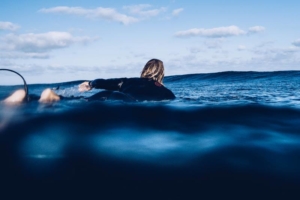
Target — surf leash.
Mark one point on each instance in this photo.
(25, 84)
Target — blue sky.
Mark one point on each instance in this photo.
(55, 41)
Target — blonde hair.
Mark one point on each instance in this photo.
(154, 69)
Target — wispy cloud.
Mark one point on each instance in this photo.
(276, 55)
(8, 26)
(176, 12)
(265, 44)
(24, 55)
(256, 29)
(270, 50)
(241, 48)
(215, 43)
(296, 43)
(144, 10)
(259, 61)
(218, 32)
(194, 50)
(109, 14)
(42, 42)
(214, 32)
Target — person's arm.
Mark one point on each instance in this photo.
(107, 84)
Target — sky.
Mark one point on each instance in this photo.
(56, 41)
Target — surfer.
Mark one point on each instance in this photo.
(149, 87)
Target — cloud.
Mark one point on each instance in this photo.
(274, 59)
(194, 50)
(296, 43)
(273, 51)
(256, 29)
(213, 33)
(209, 44)
(35, 70)
(265, 44)
(219, 32)
(109, 14)
(177, 11)
(24, 55)
(144, 11)
(276, 56)
(8, 26)
(215, 43)
(241, 48)
(42, 42)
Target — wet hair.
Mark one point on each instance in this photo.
(154, 69)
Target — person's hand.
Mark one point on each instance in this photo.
(83, 87)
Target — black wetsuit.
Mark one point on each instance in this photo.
(125, 89)
(131, 89)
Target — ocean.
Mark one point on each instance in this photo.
(226, 135)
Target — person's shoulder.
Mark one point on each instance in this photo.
(134, 79)
(137, 80)
(168, 94)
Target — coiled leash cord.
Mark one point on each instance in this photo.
(25, 84)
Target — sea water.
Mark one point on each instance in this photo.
(226, 134)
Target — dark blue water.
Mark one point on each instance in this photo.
(230, 134)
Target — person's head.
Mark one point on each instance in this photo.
(154, 69)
